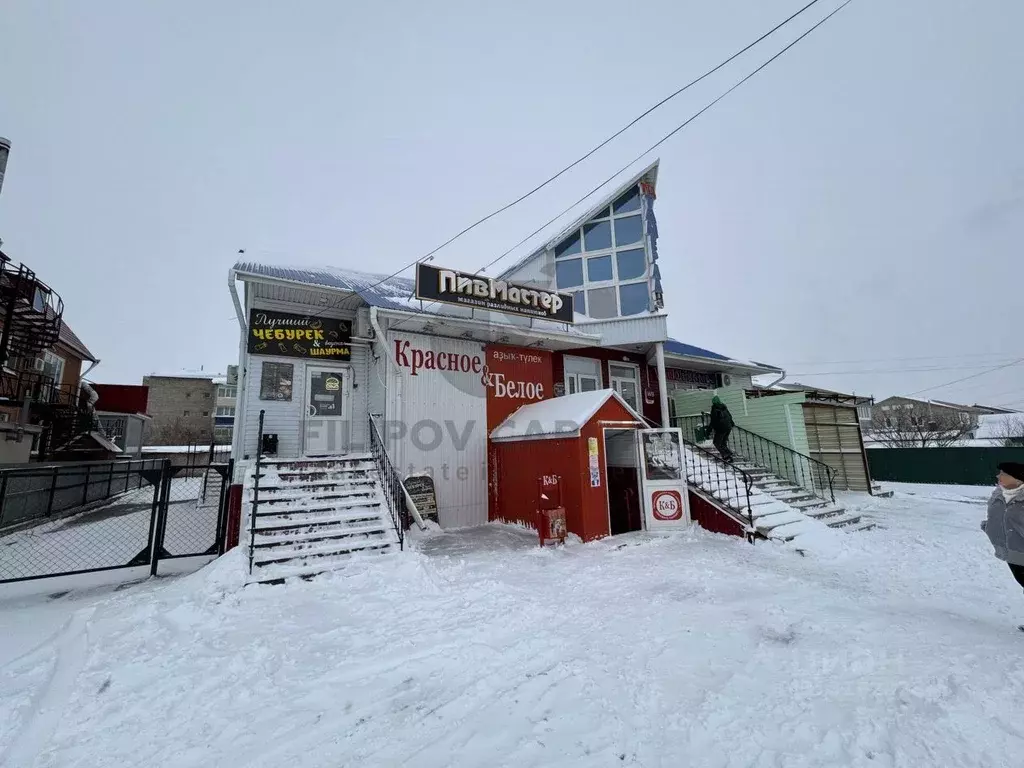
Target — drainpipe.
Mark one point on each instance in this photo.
(772, 384)
(233, 289)
(86, 372)
(379, 332)
(659, 351)
(241, 401)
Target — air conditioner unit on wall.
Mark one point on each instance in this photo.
(361, 327)
(726, 380)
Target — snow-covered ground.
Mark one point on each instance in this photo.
(896, 648)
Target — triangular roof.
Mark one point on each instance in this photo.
(651, 171)
(558, 416)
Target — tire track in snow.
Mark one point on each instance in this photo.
(71, 647)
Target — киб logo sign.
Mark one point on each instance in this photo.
(667, 505)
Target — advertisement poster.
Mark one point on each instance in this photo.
(595, 466)
(663, 459)
(287, 335)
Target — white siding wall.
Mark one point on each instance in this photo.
(443, 428)
(285, 419)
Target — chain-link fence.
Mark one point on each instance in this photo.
(69, 519)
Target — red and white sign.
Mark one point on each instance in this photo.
(667, 505)
(515, 376)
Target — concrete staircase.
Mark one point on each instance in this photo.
(314, 515)
(832, 514)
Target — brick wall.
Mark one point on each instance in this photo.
(182, 410)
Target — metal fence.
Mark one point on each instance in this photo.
(958, 466)
(82, 518)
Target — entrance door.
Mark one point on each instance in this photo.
(663, 478)
(625, 379)
(326, 430)
(582, 374)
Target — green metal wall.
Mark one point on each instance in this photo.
(779, 417)
(947, 466)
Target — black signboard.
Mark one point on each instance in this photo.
(287, 335)
(468, 290)
(421, 491)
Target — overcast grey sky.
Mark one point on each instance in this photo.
(862, 199)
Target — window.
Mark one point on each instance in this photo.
(569, 246)
(599, 269)
(225, 410)
(206, 395)
(569, 273)
(276, 381)
(629, 230)
(582, 374)
(206, 413)
(629, 201)
(188, 413)
(597, 236)
(632, 264)
(579, 302)
(52, 366)
(634, 298)
(614, 280)
(188, 395)
(226, 390)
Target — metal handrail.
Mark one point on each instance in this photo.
(255, 491)
(812, 474)
(727, 484)
(394, 491)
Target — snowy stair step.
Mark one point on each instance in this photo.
(275, 499)
(316, 505)
(280, 522)
(265, 557)
(313, 566)
(270, 541)
(864, 525)
(824, 513)
(844, 521)
(812, 503)
(792, 495)
(354, 482)
(790, 531)
(773, 522)
(318, 459)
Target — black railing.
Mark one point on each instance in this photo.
(255, 491)
(727, 484)
(391, 482)
(781, 460)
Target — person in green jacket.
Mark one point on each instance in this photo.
(720, 426)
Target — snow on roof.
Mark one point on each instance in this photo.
(184, 373)
(673, 347)
(557, 417)
(651, 170)
(381, 291)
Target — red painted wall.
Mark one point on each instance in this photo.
(516, 376)
(515, 467)
(648, 375)
(712, 518)
(122, 398)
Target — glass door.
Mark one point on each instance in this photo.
(625, 378)
(326, 423)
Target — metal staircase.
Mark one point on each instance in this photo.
(775, 473)
(308, 516)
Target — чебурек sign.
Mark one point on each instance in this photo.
(467, 290)
(280, 333)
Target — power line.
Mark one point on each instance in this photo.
(674, 131)
(662, 140)
(596, 148)
(896, 359)
(966, 378)
(888, 370)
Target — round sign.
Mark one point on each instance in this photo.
(667, 505)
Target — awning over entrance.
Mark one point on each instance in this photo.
(564, 417)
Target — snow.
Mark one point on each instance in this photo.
(557, 416)
(478, 648)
